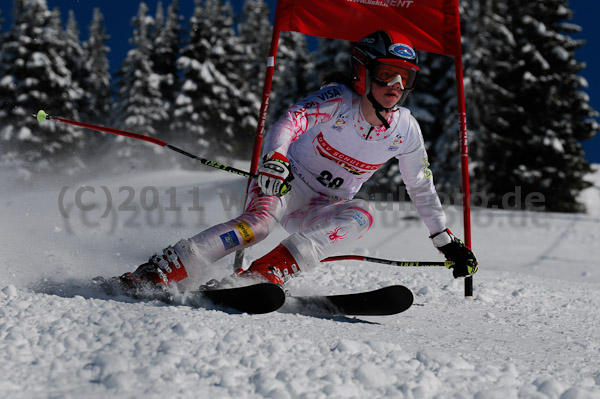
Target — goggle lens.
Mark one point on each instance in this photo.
(385, 73)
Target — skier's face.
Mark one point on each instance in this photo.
(387, 96)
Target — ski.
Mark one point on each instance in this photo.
(263, 297)
(253, 299)
(382, 302)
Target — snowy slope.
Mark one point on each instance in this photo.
(532, 330)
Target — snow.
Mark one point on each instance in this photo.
(531, 330)
(25, 133)
(38, 60)
(592, 195)
(7, 81)
(561, 53)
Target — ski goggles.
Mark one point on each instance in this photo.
(389, 72)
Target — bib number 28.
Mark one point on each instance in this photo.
(327, 180)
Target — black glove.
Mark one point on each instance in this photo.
(462, 260)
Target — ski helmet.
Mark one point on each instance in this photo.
(385, 58)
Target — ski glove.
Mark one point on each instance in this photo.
(462, 260)
(274, 177)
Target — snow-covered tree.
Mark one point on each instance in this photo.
(96, 83)
(558, 109)
(225, 85)
(167, 45)
(186, 124)
(139, 106)
(212, 105)
(332, 55)
(75, 58)
(531, 111)
(35, 75)
(255, 36)
(294, 76)
(526, 109)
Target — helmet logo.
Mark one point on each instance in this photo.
(402, 50)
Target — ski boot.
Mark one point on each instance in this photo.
(276, 267)
(155, 276)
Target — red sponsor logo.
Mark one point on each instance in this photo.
(352, 165)
(334, 236)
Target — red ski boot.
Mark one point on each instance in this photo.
(158, 273)
(276, 266)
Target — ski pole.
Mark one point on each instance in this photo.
(401, 263)
(43, 116)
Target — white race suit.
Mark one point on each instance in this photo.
(332, 151)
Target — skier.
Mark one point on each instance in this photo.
(329, 143)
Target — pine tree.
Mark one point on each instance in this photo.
(212, 104)
(532, 111)
(96, 83)
(332, 55)
(255, 36)
(434, 103)
(75, 59)
(186, 124)
(557, 109)
(167, 44)
(487, 47)
(526, 110)
(294, 76)
(34, 75)
(236, 118)
(139, 106)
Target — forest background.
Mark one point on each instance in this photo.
(196, 82)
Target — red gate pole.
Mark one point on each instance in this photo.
(464, 156)
(262, 121)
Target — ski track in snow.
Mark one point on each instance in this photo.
(532, 330)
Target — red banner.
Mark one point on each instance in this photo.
(432, 25)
